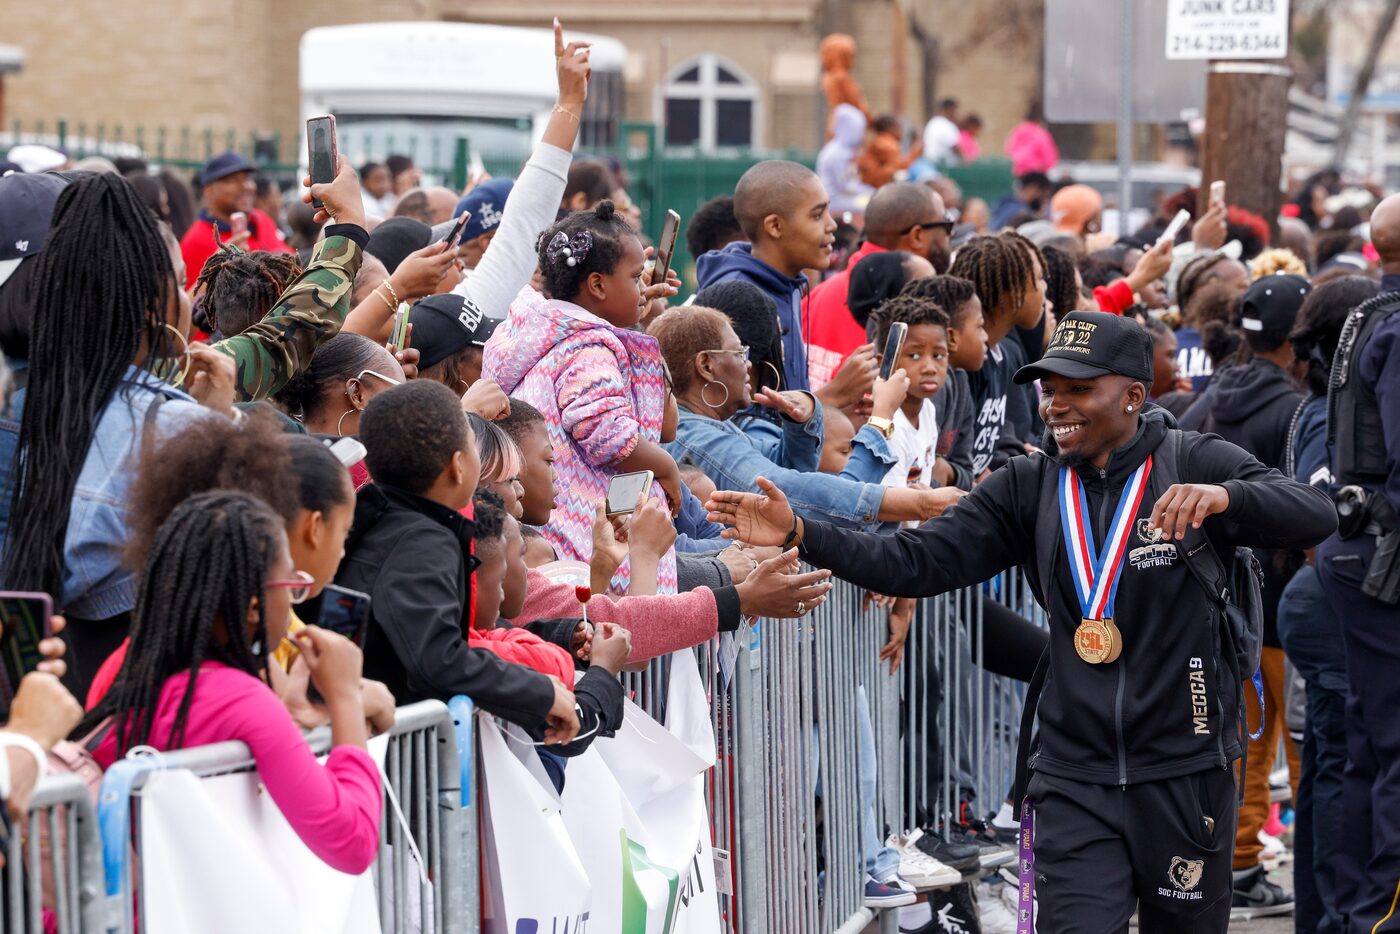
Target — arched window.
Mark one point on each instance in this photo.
(710, 103)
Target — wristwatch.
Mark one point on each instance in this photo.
(884, 426)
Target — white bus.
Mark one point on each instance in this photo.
(418, 87)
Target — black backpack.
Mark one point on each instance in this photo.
(1235, 588)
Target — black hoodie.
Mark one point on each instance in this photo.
(1251, 405)
(410, 555)
(1167, 707)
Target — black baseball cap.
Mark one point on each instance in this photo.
(26, 208)
(1090, 344)
(1271, 304)
(446, 324)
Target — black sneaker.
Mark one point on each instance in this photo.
(990, 853)
(1256, 897)
(961, 856)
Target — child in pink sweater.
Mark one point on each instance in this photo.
(190, 679)
(600, 384)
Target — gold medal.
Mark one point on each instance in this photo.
(1098, 641)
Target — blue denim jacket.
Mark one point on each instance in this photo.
(96, 581)
(732, 459)
(790, 444)
(871, 457)
(695, 533)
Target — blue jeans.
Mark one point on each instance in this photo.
(1311, 634)
(881, 862)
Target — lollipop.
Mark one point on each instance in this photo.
(584, 594)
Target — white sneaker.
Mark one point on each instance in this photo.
(995, 916)
(918, 868)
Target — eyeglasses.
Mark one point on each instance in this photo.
(298, 589)
(947, 226)
(743, 353)
(388, 379)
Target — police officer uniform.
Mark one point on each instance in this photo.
(1359, 569)
(1134, 800)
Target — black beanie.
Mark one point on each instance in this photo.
(875, 279)
(397, 237)
(754, 317)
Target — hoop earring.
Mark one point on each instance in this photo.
(777, 374)
(707, 401)
(339, 432)
(184, 354)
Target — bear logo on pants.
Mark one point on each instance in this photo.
(1185, 874)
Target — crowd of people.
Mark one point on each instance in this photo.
(207, 422)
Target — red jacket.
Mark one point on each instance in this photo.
(197, 245)
(832, 333)
(525, 648)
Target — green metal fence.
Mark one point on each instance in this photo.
(659, 177)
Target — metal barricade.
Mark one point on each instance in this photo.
(426, 784)
(53, 864)
(785, 794)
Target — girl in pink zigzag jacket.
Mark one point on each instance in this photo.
(600, 385)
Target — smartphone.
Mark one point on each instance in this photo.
(625, 488)
(238, 223)
(323, 155)
(894, 343)
(455, 236)
(666, 247)
(1175, 226)
(344, 611)
(349, 451)
(1217, 191)
(399, 336)
(27, 619)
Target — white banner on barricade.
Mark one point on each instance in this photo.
(207, 843)
(633, 810)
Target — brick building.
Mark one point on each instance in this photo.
(233, 66)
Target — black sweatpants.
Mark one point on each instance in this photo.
(1103, 850)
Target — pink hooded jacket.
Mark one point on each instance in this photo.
(600, 388)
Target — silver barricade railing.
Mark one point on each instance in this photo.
(424, 769)
(54, 861)
(786, 727)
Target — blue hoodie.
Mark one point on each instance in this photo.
(736, 261)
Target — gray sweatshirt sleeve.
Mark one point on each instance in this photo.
(510, 260)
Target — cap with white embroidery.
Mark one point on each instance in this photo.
(1271, 304)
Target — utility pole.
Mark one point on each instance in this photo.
(1246, 121)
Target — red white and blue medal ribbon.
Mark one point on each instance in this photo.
(1097, 572)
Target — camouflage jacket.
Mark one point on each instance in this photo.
(307, 315)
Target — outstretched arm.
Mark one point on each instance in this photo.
(983, 534)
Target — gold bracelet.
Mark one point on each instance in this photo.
(392, 307)
(388, 285)
(564, 110)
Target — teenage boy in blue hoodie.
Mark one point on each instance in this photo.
(784, 211)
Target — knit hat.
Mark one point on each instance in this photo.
(875, 279)
(397, 237)
(1074, 206)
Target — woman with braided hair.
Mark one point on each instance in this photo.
(105, 331)
(217, 590)
(1010, 282)
(236, 290)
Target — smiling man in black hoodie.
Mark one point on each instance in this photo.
(1133, 795)
(1254, 404)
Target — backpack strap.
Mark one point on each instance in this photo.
(1210, 572)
